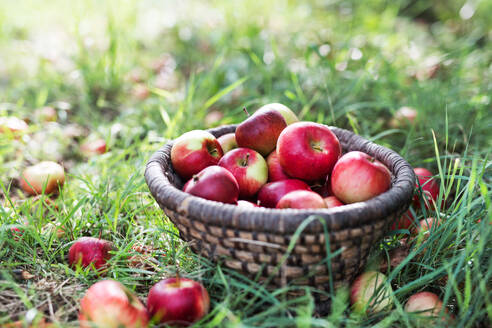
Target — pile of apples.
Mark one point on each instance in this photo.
(273, 160)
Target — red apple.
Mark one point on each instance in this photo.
(108, 303)
(425, 303)
(214, 183)
(260, 131)
(46, 114)
(403, 117)
(275, 171)
(270, 194)
(370, 293)
(93, 147)
(308, 150)
(248, 167)
(332, 201)
(245, 203)
(427, 225)
(358, 177)
(283, 110)
(179, 301)
(430, 187)
(47, 175)
(301, 199)
(88, 251)
(404, 222)
(227, 142)
(13, 124)
(194, 151)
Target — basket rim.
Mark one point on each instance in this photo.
(259, 219)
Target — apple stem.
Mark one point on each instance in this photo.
(246, 111)
(371, 159)
(247, 159)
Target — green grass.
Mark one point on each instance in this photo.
(223, 56)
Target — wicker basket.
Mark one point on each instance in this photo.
(255, 240)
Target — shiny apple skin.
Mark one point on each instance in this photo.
(35, 177)
(179, 301)
(194, 151)
(308, 151)
(358, 177)
(426, 303)
(248, 167)
(260, 131)
(364, 287)
(275, 171)
(285, 111)
(108, 303)
(332, 201)
(246, 203)
(301, 199)
(227, 142)
(214, 183)
(270, 194)
(94, 147)
(430, 187)
(89, 250)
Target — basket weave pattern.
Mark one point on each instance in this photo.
(255, 240)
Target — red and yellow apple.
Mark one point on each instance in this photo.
(285, 111)
(93, 147)
(12, 124)
(308, 151)
(87, 251)
(332, 201)
(370, 293)
(358, 177)
(214, 183)
(227, 142)
(425, 303)
(270, 194)
(301, 199)
(47, 176)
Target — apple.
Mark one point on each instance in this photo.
(404, 222)
(108, 303)
(248, 167)
(93, 147)
(270, 194)
(403, 117)
(425, 303)
(308, 150)
(46, 114)
(358, 177)
(227, 142)
(426, 226)
(323, 188)
(301, 199)
(194, 151)
(260, 131)
(140, 91)
(13, 125)
(245, 203)
(285, 111)
(47, 175)
(275, 171)
(88, 251)
(430, 188)
(370, 293)
(214, 183)
(179, 301)
(332, 201)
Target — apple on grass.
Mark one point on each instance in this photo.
(403, 117)
(47, 176)
(109, 304)
(430, 188)
(13, 125)
(87, 251)
(194, 151)
(358, 177)
(301, 199)
(371, 293)
(404, 222)
(283, 110)
(227, 142)
(270, 194)
(425, 304)
(214, 183)
(260, 131)
(93, 147)
(332, 201)
(275, 171)
(248, 167)
(178, 301)
(308, 151)
(46, 114)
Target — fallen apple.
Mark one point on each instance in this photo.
(270, 194)
(358, 177)
(227, 142)
(430, 188)
(178, 301)
(87, 251)
(301, 199)
(14, 125)
(214, 183)
(403, 117)
(47, 176)
(194, 151)
(93, 147)
(404, 222)
(108, 303)
(371, 293)
(425, 304)
(46, 114)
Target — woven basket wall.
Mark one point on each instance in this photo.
(254, 240)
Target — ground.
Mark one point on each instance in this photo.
(138, 73)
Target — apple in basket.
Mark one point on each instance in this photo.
(87, 251)
(194, 151)
(332, 201)
(270, 194)
(260, 131)
(47, 176)
(358, 177)
(275, 171)
(301, 199)
(283, 110)
(227, 142)
(178, 301)
(108, 303)
(214, 183)
(308, 151)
